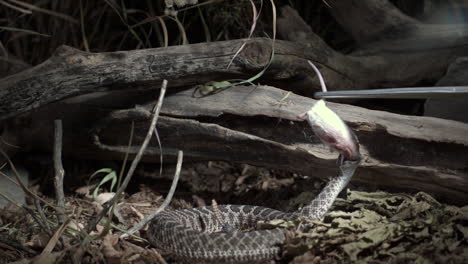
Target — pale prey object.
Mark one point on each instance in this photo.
(214, 234)
(331, 130)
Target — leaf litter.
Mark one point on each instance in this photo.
(366, 227)
(379, 227)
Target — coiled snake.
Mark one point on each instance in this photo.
(201, 234)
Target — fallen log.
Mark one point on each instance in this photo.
(252, 125)
(414, 52)
(456, 107)
(392, 49)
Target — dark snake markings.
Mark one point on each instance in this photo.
(197, 234)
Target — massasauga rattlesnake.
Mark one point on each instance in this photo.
(197, 234)
(212, 235)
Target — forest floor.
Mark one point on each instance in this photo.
(364, 226)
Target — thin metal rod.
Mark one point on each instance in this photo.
(398, 93)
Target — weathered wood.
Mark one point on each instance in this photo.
(9, 65)
(71, 72)
(394, 50)
(370, 20)
(454, 108)
(246, 124)
(418, 54)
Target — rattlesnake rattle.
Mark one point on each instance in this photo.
(197, 234)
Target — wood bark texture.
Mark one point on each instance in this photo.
(402, 56)
(252, 125)
(95, 96)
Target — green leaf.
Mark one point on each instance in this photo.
(111, 176)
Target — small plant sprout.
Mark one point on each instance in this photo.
(110, 176)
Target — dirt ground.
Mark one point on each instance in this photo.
(362, 227)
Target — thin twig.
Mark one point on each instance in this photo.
(252, 29)
(161, 157)
(166, 202)
(12, 243)
(44, 223)
(20, 181)
(27, 209)
(59, 171)
(159, 258)
(19, 9)
(82, 26)
(10, 200)
(143, 147)
(55, 239)
(134, 164)
(77, 256)
(151, 19)
(8, 144)
(45, 11)
(127, 153)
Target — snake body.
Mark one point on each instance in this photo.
(212, 235)
(202, 233)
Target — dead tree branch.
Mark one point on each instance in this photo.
(247, 125)
(59, 171)
(403, 61)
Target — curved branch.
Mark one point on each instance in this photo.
(369, 20)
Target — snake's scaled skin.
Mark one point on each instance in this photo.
(197, 234)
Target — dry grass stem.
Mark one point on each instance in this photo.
(142, 223)
(91, 226)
